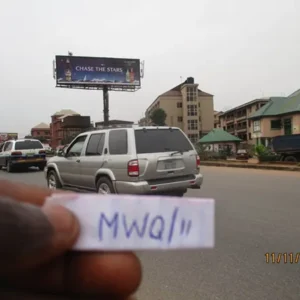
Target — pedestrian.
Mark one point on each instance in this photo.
(35, 258)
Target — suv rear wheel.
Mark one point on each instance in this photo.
(53, 180)
(9, 167)
(105, 186)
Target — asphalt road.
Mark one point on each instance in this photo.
(257, 212)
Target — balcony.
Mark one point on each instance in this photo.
(241, 117)
(229, 121)
(230, 129)
(241, 129)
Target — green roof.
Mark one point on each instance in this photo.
(279, 106)
(218, 135)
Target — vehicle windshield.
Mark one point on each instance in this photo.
(161, 140)
(26, 145)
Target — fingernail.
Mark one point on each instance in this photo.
(63, 222)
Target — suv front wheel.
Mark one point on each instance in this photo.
(105, 186)
(53, 181)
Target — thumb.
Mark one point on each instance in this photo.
(30, 235)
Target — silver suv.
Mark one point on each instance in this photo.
(142, 160)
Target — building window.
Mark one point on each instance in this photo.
(275, 124)
(179, 119)
(198, 104)
(256, 126)
(38, 133)
(249, 136)
(179, 104)
(192, 124)
(191, 94)
(192, 110)
(193, 137)
(249, 124)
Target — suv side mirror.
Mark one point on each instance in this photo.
(62, 152)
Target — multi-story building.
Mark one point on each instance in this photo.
(65, 125)
(41, 131)
(188, 108)
(280, 116)
(217, 119)
(236, 120)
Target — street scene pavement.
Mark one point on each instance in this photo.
(257, 212)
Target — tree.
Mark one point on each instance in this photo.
(158, 117)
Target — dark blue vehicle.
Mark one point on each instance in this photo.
(287, 146)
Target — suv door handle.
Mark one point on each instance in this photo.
(78, 160)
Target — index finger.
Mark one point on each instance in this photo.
(25, 193)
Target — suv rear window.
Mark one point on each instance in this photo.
(161, 140)
(26, 145)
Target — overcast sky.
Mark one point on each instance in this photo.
(236, 50)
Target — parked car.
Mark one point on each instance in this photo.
(23, 153)
(242, 154)
(142, 160)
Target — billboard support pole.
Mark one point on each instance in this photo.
(105, 106)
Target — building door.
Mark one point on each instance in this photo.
(287, 126)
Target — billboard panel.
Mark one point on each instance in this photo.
(76, 122)
(97, 71)
(6, 136)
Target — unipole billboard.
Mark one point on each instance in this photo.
(97, 71)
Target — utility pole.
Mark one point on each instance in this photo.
(105, 106)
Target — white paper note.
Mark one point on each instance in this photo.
(131, 222)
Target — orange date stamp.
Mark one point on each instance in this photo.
(282, 257)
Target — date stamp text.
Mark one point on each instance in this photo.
(282, 257)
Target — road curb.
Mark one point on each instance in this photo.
(250, 166)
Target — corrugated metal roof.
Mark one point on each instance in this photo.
(279, 106)
(64, 112)
(249, 103)
(218, 135)
(42, 126)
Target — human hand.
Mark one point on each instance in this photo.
(34, 244)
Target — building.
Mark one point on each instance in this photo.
(217, 119)
(188, 108)
(66, 125)
(114, 124)
(236, 120)
(280, 116)
(41, 131)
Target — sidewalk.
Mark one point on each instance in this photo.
(251, 165)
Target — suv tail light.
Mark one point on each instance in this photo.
(16, 153)
(42, 152)
(133, 168)
(198, 161)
